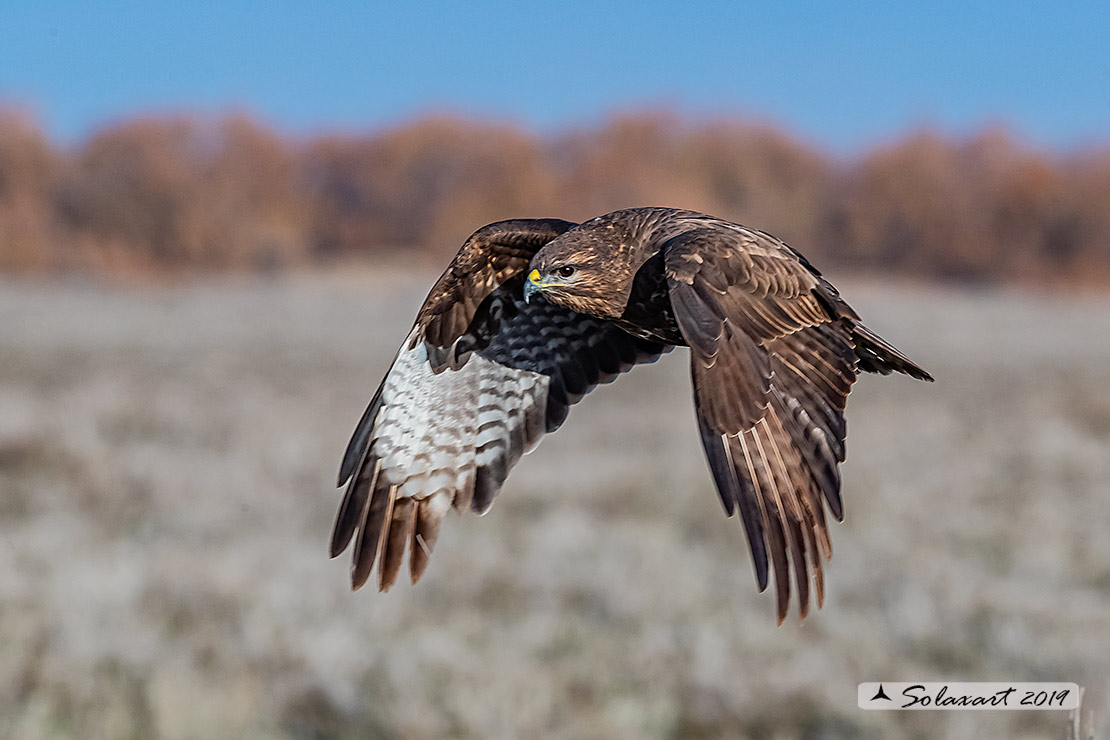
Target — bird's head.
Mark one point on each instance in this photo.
(580, 273)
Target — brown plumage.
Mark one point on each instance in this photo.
(495, 360)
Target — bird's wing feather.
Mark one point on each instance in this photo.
(445, 434)
(493, 256)
(771, 371)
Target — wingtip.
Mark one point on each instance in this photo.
(761, 577)
(783, 606)
(916, 372)
(387, 577)
(350, 461)
(358, 579)
(360, 569)
(835, 503)
(334, 550)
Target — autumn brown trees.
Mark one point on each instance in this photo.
(196, 194)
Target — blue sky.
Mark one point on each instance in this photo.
(838, 74)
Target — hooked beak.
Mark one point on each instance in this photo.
(532, 285)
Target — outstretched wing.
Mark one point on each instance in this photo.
(772, 364)
(479, 380)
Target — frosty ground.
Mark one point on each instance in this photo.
(167, 458)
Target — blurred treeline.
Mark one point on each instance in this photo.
(194, 194)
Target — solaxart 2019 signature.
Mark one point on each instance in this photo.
(967, 695)
(1006, 698)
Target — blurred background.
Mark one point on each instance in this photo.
(217, 224)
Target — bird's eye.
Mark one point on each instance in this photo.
(565, 271)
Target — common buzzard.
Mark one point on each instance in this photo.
(532, 314)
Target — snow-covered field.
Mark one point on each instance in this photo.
(167, 458)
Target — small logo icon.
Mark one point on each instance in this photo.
(880, 694)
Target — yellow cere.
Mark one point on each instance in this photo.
(534, 277)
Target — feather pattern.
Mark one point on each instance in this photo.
(485, 373)
(773, 358)
(449, 422)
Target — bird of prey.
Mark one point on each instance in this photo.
(532, 314)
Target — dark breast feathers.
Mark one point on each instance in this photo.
(484, 374)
